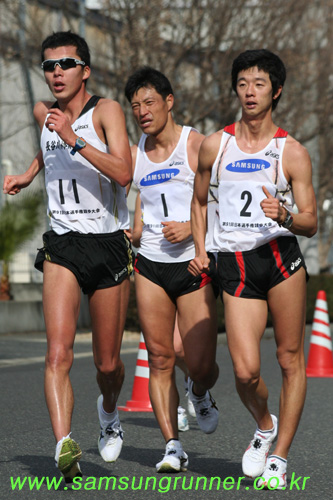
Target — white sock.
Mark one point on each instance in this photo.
(108, 418)
(176, 443)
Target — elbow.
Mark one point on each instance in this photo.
(312, 230)
(125, 179)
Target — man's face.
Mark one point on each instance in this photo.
(63, 83)
(254, 90)
(150, 110)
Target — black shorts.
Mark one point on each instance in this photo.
(175, 278)
(97, 260)
(252, 273)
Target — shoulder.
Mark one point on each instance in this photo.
(109, 120)
(109, 111)
(296, 159)
(209, 150)
(108, 104)
(294, 150)
(194, 142)
(211, 144)
(195, 139)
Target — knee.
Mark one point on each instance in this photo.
(113, 368)
(161, 361)
(205, 374)
(290, 361)
(59, 357)
(246, 375)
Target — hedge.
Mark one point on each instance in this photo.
(315, 284)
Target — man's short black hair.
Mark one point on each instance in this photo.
(264, 60)
(65, 39)
(148, 77)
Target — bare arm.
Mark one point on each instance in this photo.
(109, 122)
(137, 223)
(14, 183)
(298, 170)
(207, 155)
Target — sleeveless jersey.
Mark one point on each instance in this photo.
(212, 214)
(238, 177)
(166, 190)
(80, 197)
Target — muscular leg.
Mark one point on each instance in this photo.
(179, 349)
(61, 303)
(108, 309)
(157, 320)
(287, 302)
(245, 321)
(197, 320)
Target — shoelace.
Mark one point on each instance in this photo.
(257, 444)
(204, 411)
(172, 451)
(258, 448)
(112, 432)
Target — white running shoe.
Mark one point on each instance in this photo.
(110, 440)
(274, 476)
(205, 409)
(182, 419)
(255, 456)
(190, 407)
(175, 459)
(67, 456)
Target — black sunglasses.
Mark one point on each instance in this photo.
(64, 63)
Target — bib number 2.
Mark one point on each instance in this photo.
(246, 195)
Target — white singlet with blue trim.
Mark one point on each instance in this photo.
(240, 224)
(80, 197)
(166, 190)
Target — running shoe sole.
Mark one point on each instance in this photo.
(70, 454)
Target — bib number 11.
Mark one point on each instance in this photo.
(75, 192)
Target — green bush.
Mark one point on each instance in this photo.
(315, 284)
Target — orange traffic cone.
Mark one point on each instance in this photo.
(140, 395)
(320, 359)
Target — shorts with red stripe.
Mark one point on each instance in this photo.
(174, 277)
(253, 273)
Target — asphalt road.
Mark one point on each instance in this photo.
(27, 445)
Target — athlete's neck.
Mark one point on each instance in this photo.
(73, 106)
(252, 135)
(160, 146)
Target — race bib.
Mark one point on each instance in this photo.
(74, 195)
(239, 206)
(168, 201)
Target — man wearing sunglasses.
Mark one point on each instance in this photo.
(87, 159)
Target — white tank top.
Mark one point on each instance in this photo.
(212, 213)
(166, 190)
(80, 197)
(240, 224)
